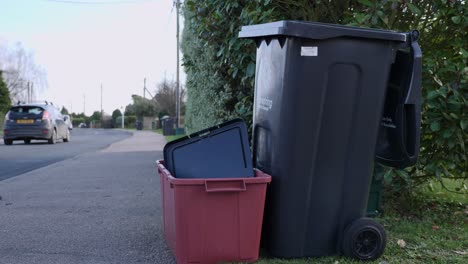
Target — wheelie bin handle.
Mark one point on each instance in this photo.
(402, 133)
(412, 107)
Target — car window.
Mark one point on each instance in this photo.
(27, 110)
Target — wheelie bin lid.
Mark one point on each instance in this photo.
(316, 30)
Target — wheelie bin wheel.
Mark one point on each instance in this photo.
(364, 239)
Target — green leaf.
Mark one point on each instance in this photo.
(360, 17)
(435, 126)
(388, 176)
(447, 134)
(431, 187)
(414, 9)
(251, 69)
(463, 124)
(447, 116)
(456, 19)
(403, 174)
(432, 95)
(366, 2)
(438, 173)
(464, 53)
(382, 17)
(234, 73)
(220, 52)
(462, 143)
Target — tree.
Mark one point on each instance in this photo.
(116, 113)
(130, 109)
(5, 101)
(96, 116)
(165, 98)
(64, 111)
(143, 107)
(20, 70)
(81, 115)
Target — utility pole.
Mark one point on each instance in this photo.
(28, 99)
(123, 116)
(32, 92)
(177, 72)
(101, 104)
(144, 88)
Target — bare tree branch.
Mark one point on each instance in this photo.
(19, 69)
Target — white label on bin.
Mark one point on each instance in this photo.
(265, 104)
(309, 51)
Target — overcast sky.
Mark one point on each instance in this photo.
(82, 45)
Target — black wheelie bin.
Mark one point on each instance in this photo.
(320, 94)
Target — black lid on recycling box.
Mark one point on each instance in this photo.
(316, 30)
(221, 151)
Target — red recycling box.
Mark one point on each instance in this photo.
(213, 220)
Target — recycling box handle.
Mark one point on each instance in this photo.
(412, 106)
(225, 185)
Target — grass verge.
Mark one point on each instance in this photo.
(457, 191)
(430, 231)
(169, 138)
(174, 137)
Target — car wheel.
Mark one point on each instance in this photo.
(27, 141)
(67, 138)
(53, 138)
(364, 239)
(7, 141)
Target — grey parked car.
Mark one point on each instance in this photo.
(35, 121)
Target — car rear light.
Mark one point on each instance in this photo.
(6, 131)
(7, 116)
(45, 115)
(45, 131)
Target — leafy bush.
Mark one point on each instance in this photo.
(444, 114)
(129, 122)
(118, 122)
(143, 107)
(116, 113)
(220, 67)
(76, 121)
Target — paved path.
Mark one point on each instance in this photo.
(100, 207)
(141, 141)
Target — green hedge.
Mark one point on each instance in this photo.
(129, 121)
(76, 121)
(2, 118)
(220, 67)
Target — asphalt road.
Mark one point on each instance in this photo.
(91, 204)
(21, 158)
